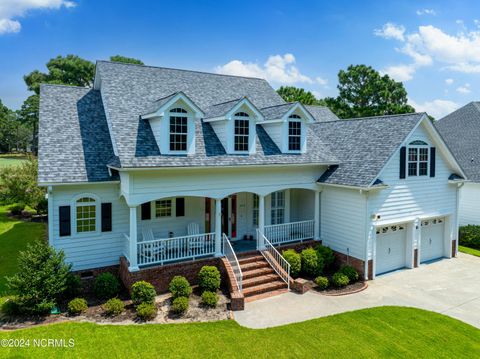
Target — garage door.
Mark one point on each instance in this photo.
(391, 248)
(432, 246)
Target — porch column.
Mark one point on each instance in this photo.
(316, 230)
(261, 221)
(133, 240)
(218, 227)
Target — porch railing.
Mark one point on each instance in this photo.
(232, 259)
(177, 248)
(275, 259)
(290, 232)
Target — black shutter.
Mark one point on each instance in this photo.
(65, 223)
(403, 162)
(106, 217)
(180, 207)
(432, 161)
(146, 211)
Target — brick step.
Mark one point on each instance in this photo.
(266, 295)
(250, 259)
(257, 272)
(254, 281)
(254, 265)
(264, 288)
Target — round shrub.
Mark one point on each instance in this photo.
(16, 209)
(106, 286)
(114, 307)
(77, 306)
(209, 299)
(340, 280)
(143, 292)
(180, 305)
(146, 311)
(74, 286)
(295, 261)
(209, 278)
(469, 236)
(179, 287)
(312, 264)
(350, 272)
(10, 307)
(327, 254)
(322, 282)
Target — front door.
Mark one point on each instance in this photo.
(229, 216)
(225, 216)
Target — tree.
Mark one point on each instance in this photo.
(13, 133)
(293, 94)
(28, 116)
(364, 92)
(126, 60)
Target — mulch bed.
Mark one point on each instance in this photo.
(333, 291)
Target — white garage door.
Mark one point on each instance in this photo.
(432, 246)
(391, 248)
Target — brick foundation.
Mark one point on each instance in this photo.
(454, 248)
(88, 276)
(415, 258)
(358, 264)
(237, 298)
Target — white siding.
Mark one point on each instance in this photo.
(302, 205)
(470, 204)
(275, 131)
(156, 126)
(220, 128)
(343, 224)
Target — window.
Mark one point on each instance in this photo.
(278, 207)
(255, 210)
(294, 135)
(86, 210)
(163, 208)
(418, 159)
(178, 130)
(241, 134)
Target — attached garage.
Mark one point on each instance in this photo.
(391, 248)
(432, 240)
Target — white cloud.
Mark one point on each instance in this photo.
(279, 69)
(10, 9)
(421, 12)
(400, 72)
(437, 108)
(449, 81)
(391, 31)
(465, 89)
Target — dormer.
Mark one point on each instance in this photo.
(172, 119)
(287, 125)
(234, 123)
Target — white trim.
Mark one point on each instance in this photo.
(354, 187)
(166, 106)
(49, 184)
(73, 215)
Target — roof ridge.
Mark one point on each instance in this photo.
(283, 104)
(183, 70)
(164, 97)
(222, 103)
(374, 117)
(70, 86)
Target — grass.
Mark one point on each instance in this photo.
(473, 252)
(14, 237)
(393, 332)
(11, 160)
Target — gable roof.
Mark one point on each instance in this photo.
(321, 113)
(461, 132)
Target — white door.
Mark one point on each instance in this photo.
(391, 248)
(432, 244)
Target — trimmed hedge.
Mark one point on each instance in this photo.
(327, 254)
(180, 305)
(209, 278)
(340, 280)
(143, 292)
(350, 272)
(469, 236)
(114, 307)
(322, 282)
(77, 306)
(146, 311)
(209, 299)
(180, 287)
(106, 286)
(312, 263)
(295, 261)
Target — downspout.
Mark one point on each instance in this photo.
(457, 219)
(367, 236)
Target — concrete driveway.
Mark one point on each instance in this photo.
(448, 286)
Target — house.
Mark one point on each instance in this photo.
(157, 170)
(461, 131)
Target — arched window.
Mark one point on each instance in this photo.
(241, 114)
(178, 129)
(86, 211)
(241, 131)
(418, 156)
(294, 133)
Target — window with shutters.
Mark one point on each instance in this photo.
(418, 159)
(163, 208)
(86, 215)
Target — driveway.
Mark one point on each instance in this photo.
(448, 286)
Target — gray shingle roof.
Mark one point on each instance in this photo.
(461, 132)
(74, 143)
(321, 113)
(155, 105)
(363, 146)
(220, 109)
(277, 111)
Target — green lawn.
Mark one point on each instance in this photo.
(14, 236)
(384, 332)
(11, 160)
(473, 252)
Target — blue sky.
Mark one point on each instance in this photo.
(434, 47)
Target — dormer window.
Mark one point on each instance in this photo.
(294, 132)
(241, 131)
(178, 129)
(418, 160)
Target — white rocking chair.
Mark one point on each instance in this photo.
(153, 250)
(196, 244)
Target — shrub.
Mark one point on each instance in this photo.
(10, 307)
(209, 299)
(180, 305)
(17, 208)
(469, 236)
(312, 264)
(106, 286)
(295, 261)
(179, 287)
(340, 280)
(209, 278)
(41, 279)
(77, 306)
(322, 282)
(114, 307)
(143, 292)
(350, 272)
(74, 286)
(146, 311)
(327, 254)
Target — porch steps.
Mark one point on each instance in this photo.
(259, 279)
